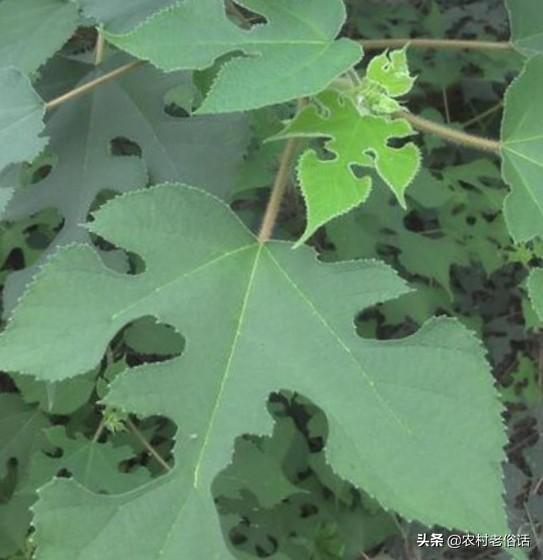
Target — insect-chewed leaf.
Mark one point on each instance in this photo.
(201, 150)
(522, 152)
(256, 318)
(21, 118)
(526, 25)
(332, 187)
(294, 54)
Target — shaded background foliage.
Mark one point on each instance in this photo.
(451, 245)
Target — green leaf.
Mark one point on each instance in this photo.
(120, 16)
(199, 150)
(257, 318)
(93, 464)
(391, 72)
(31, 31)
(257, 467)
(61, 397)
(21, 118)
(332, 187)
(387, 78)
(522, 152)
(526, 25)
(15, 518)
(148, 338)
(535, 291)
(294, 54)
(360, 234)
(21, 431)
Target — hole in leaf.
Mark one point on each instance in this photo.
(121, 146)
(398, 143)
(173, 110)
(420, 222)
(35, 172)
(147, 340)
(242, 16)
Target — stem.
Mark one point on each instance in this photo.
(377, 44)
(278, 190)
(446, 105)
(99, 430)
(450, 134)
(85, 88)
(483, 115)
(99, 48)
(147, 445)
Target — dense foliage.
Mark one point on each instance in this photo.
(271, 278)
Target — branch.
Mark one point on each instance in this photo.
(368, 44)
(377, 44)
(450, 134)
(85, 88)
(278, 190)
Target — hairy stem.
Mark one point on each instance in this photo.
(278, 190)
(93, 84)
(147, 445)
(450, 134)
(377, 44)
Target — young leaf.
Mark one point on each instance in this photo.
(332, 187)
(21, 118)
(387, 78)
(294, 54)
(522, 152)
(391, 72)
(200, 150)
(257, 318)
(120, 16)
(526, 25)
(31, 31)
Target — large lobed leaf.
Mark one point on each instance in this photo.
(294, 54)
(522, 152)
(256, 318)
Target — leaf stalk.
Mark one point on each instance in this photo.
(378, 44)
(93, 84)
(278, 191)
(450, 134)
